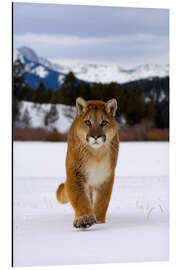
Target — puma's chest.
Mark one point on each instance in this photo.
(97, 172)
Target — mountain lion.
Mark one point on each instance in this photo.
(93, 144)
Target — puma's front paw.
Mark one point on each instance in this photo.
(84, 222)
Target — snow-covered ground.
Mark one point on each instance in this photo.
(137, 227)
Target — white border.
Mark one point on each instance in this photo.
(5, 139)
(120, 3)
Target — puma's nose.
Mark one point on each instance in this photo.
(95, 137)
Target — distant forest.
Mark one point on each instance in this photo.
(138, 101)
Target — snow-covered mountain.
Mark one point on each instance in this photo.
(106, 73)
(25, 53)
(52, 73)
(39, 69)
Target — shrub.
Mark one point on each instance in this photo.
(141, 132)
(135, 133)
(38, 134)
(158, 135)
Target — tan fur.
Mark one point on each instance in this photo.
(61, 194)
(90, 171)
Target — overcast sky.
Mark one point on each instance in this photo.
(97, 34)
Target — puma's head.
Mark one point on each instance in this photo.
(96, 125)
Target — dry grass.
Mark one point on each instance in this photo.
(158, 135)
(131, 133)
(143, 132)
(38, 134)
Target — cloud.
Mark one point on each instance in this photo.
(54, 40)
(136, 48)
(66, 40)
(92, 33)
(88, 20)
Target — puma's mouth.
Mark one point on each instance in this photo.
(95, 142)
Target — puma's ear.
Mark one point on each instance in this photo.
(81, 104)
(111, 106)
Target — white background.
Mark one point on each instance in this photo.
(5, 141)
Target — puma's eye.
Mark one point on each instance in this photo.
(104, 123)
(88, 123)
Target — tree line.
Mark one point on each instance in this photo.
(141, 100)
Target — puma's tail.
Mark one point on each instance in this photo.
(61, 194)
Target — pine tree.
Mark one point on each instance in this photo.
(26, 119)
(49, 94)
(70, 112)
(83, 90)
(18, 77)
(69, 89)
(54, 97)
(16, 109)
(39, 93)
(150, 109)
(51, 116)
(134, 107)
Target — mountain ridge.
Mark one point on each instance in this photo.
(39, 69)
(52, 73)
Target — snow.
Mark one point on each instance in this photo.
(112, 72)
(38, 111)
(40, 71)
(61, 78)
(137, 222)
(162, 96)
(28, 53)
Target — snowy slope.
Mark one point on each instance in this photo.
(137, 222)
(37, 113)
